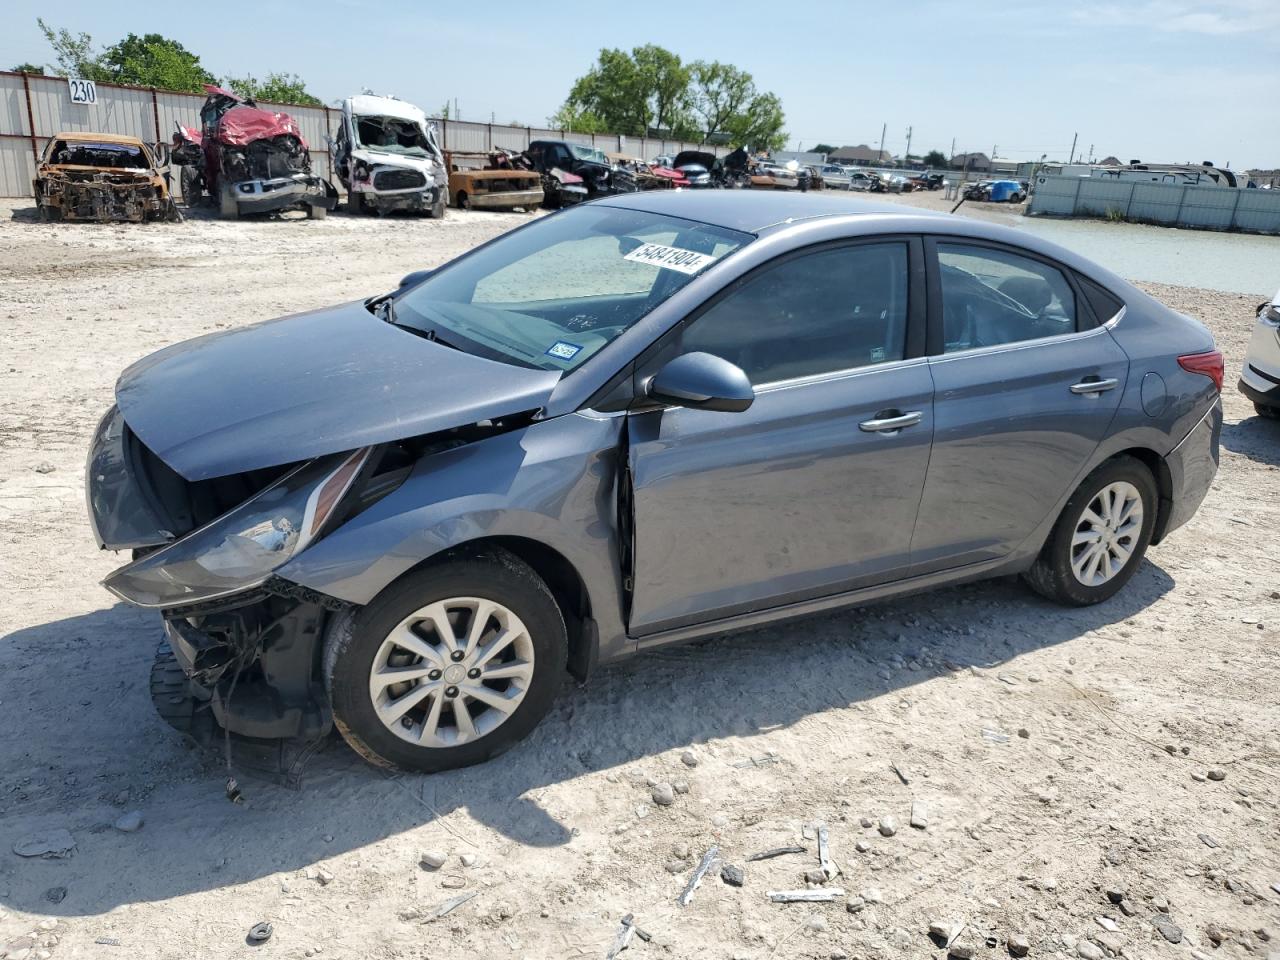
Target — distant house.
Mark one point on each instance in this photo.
(1109, 162)
(860, 156)
(971, 161)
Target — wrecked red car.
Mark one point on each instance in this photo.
(249, 160)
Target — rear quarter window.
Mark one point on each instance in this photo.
(1102, 302)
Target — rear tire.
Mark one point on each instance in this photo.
(355, 203)
(1264, 410)
(1056, 575)
(430, 734)
(464, 202)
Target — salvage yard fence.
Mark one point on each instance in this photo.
(35, 108)
(1166, 204)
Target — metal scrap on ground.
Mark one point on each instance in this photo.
(704, 865)
(829, 868)
(775, 852)
(823, 895)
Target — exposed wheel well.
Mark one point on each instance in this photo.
(566, 586)
(1164, 484)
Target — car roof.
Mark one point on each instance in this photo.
(752, 211)
(97, 137)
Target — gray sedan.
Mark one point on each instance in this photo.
(639, 421)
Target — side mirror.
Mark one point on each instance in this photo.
(415, 278)
(702, 381)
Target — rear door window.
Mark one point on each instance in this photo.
(992, 297)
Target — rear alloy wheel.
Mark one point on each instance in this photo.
(448, 666)
(1101, 536)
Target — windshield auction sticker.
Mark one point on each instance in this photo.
(670, 258)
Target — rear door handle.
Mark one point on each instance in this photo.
(893, 423)
(1091, 385)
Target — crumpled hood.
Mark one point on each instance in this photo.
(310, 384)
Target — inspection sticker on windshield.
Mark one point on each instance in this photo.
(563, 350)
(672, 258)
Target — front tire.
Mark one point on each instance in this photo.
(448, 666)
(1101, 537)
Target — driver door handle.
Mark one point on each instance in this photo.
(1091, 385)
(891, 421)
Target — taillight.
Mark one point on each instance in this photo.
(1206, 364)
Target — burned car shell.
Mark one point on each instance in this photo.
(103, 177)
(406, 170)
(248, 159)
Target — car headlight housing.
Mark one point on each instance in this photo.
(240, 549)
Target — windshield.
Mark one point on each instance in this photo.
(551, 295)
(86, 153)
(588, 153)
(392, 135)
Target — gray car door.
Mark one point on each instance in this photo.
(1026, 388)
(814, 489)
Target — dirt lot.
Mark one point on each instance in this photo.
(1131, 747)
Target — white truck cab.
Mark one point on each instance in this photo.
(386, 154)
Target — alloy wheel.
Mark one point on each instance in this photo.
(1107, 533)
(452, 672)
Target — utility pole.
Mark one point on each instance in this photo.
(1072, 158)
(953, 151)
(907, 156)
(883, 130)
(1091, 153)
(456, 114)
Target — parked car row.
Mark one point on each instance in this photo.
(997, 191)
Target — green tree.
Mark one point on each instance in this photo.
(155, 61)
(276, 88)
(74, 54)
(822, 148)
(630, 93)
(28, 68)
(935, 158)
(576, 121)
(725, 100)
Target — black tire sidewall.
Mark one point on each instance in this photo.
(1056, 559)
(498, 577)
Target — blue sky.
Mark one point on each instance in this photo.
(1174, 80)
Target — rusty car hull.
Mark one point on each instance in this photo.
(102, 178)
(495, 189)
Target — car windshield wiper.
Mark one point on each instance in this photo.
(386, 312)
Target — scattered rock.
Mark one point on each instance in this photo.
(689, 758)
(45, 467)
(324, 876)
(675, 866)
(432, 860)
(732, 875)
(1106, 923)
(1169, 930)
(453, 883)
(468, 859)
(1089, 951)
(130, 822)
(862, 846)
(54, 844)
(872, 895)
(855, 904)
(809, 832)
(1115, 894)
(961, 951)
(816, 924)
(1215, 934)
(888, 826)
(919, 814)
(940, 931)
(816, 877)
(680, 786)
(867, 822)
(1127, 908)
(664, 795)
(1019, 946)
(680, 850)
(1217, 775)
(1160, 903)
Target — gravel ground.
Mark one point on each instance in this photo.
(1057, 754)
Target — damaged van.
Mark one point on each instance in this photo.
(386, 154)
